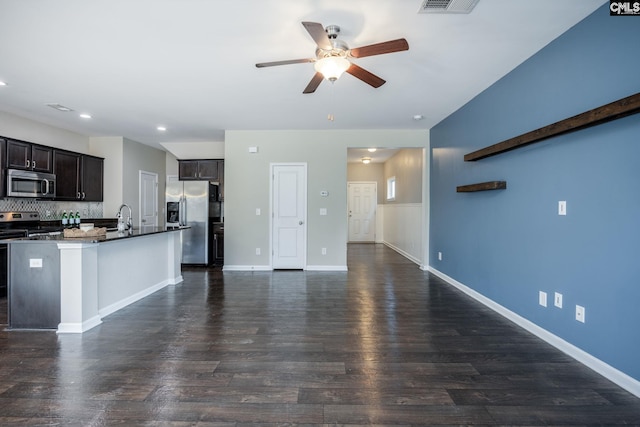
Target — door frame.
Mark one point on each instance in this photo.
(375, 212)
(155, 176)
(272, 167)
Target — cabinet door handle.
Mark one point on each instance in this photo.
(33, 164)
(83, 195)
(28, 163)
(78, 195)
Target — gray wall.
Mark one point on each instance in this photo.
(139, 157)
(359, 172)
(406, 166)
(40, 133)
(247, 187)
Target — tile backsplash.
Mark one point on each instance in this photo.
(52, 210)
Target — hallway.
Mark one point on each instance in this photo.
(384, 343)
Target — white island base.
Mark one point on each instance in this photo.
(99, 278)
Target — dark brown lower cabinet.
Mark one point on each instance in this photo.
(218, 244)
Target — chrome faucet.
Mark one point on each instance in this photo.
(129, 224)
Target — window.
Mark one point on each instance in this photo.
(391, 188)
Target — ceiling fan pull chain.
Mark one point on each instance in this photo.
(332, 102)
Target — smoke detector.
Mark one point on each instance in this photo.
(447, 6)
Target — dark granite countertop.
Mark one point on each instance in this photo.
(110, 236)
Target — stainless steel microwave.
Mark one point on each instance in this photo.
(30, 184)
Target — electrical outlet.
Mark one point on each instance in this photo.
(35, 262)
(542, 298)
(580, 313)
(439, 256)
(257, 251)
(324, 251)
(557, 300)
(258, 212)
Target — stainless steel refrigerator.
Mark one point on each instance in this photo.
(188, 204)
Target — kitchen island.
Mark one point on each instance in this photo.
(70, 284)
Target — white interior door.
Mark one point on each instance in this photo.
(362, 199)
(289, 222)
(148, 199)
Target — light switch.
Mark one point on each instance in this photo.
(257, 211)
(323, 211)
(35, 262)
(562, 207)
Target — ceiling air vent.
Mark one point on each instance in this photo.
(447, 6)
(60, 107)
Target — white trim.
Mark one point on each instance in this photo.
(227, 267)
(112, 308)
(403, 253)
(155, 177)
(78, 328)
(305, 174)
(176, 280)
(375, 212)
(426, 205)
(620, 378)
(326, 268)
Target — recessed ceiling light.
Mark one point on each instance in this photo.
(366, 160)
(161, 128)
(418, 117)
(2, 83)
(371, 150)
(85, 116)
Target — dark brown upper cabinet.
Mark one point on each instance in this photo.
(199, 170)
(78, 176)
(28, 156)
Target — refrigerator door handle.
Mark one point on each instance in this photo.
(184, 210)
(180, 211)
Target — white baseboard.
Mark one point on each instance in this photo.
(620, 378)
(176, 280)
(78, 328)
(246, 268)
(403, 253)
(112, 308)
(326, 268)
(268, 268)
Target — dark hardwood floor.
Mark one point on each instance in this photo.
(385, 344)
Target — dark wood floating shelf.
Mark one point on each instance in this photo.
(482, 186)
(615, 110)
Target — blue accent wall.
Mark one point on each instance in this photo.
(510, 244)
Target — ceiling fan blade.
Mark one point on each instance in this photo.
(318, 34)
(380, 48)
(314, 83)
(287, 62)
(365, 76)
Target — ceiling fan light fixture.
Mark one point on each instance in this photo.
(332, 67)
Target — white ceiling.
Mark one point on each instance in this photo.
(190, 64)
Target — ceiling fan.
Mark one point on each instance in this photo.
(332, 56)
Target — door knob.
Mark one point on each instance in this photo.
(300, 222)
